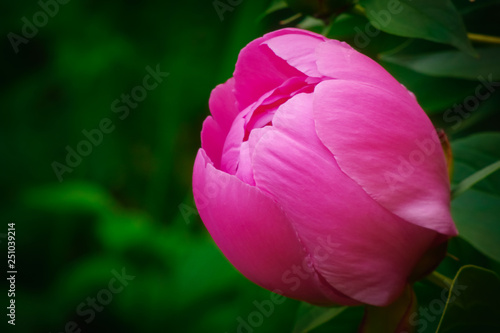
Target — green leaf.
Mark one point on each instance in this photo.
(476, 212)
(309, 316)
(474, 153)
(473, 179)
(434, 94)
(452, 63)
(274, 7)
(472, 304)
(476, 215)
(344, 25)
(312, 24)
(434, 20)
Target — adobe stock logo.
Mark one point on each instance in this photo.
(49, 8)
(380, 19)
(87, 310)
(225, 6)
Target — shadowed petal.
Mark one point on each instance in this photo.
(212, 140)
(222, 104)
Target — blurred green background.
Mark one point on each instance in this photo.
(128, 204)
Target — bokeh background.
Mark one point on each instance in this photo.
(128, 204)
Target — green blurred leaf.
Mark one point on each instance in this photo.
(435, 20)
(70, 197)
(472, 304)
(203, 258)
(452, 63)
(309, 316)
(477, 211)
(120, 229)
(311, 23)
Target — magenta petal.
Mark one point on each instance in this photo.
(354, 243)
(257, 114)
(255, 235)
(389, 148)
(232, 146)
(298, 51)
(245, 171)
(259, 69)
(212, 140)
(338, 60)
(222, 104)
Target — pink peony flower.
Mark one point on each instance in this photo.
(320, 177)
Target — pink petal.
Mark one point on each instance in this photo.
(245, 167)
(212, 140)
(255, 235)
(357, 246)
(386, 144)
(258, 70)
(257, 114)
(338, 60)
(232, 146)
(245, 171)
(222, 104)
(298, 50)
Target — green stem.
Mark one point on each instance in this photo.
(440, 280)
(483, 38)
(291, 19)
(357, 9)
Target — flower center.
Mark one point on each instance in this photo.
(239, 145)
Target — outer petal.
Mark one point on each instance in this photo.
(232, 146)
(259, 70)
(338, 60)
(244, 172)
(387, 144)
(212, 140)
(370, 251)
(215, 129)
(255, 235)
(222, 104)
(298, 50)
